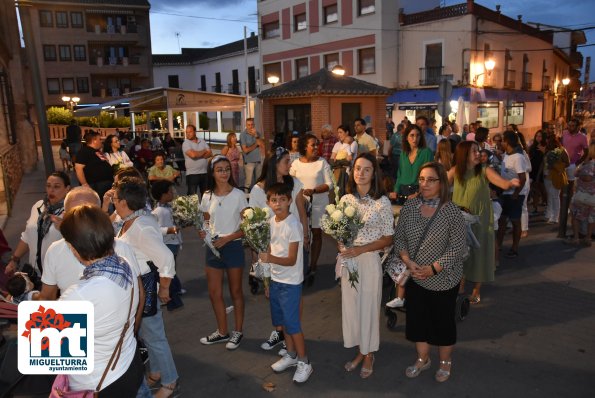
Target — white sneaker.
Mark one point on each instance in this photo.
(303, 372)
(284, 363)
(396, 303)
(282, 352)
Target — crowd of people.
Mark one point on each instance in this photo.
(124, 202)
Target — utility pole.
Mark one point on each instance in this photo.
(178, 34)
(44, 132)
(247, 83)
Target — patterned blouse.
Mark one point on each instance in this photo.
(377, 216)
(444, 242)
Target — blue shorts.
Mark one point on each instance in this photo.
(232, 256)
(512, 208)
(285, 306)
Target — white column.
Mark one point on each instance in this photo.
(132, 124)
(219, 122)
(185, 115)
(170, 121)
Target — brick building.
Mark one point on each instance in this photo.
(309, 102)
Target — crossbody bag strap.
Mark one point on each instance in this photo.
(425, 233)
(116, 354)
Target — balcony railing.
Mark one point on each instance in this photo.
(430, 76)
(527, 81)
(112, 29)
(510, 78)
(216, 89)
(233, 88)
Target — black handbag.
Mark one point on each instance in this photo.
(150, 280)
(405, 191)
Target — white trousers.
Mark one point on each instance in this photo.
(552, 212)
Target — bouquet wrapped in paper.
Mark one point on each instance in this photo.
(342, 222)
(186, 213)
(257, 233)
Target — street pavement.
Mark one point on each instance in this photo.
(532, 335)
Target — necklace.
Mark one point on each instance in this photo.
(220, 201)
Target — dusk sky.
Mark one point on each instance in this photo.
(210, 23)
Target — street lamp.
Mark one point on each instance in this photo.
(489, 65)
(338, 70)
(273, 79)
(71, 102)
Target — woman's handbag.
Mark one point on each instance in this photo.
(150, 280)
(61, 386)
(405, 191)
(396, 269)
(584, 198)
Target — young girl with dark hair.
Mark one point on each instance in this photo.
(222, 204)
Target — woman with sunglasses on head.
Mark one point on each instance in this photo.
(276, 170)
(42, 227)
(430, 239)
(315, 174)
(222, 204)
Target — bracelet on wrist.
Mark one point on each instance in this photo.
(15, 258)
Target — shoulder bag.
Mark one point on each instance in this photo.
(395, 266)
(61, 386)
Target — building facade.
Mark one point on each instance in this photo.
(504, 70)
(223, 69)
(300, 37)
(18, 153)
(93, 50)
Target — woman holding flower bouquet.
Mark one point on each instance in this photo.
(222, 204)
(115, 156)
(361, 301)
(430, 239)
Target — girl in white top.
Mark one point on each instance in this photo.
(222, 205)
(315, 174)
(111, 148)
(361, 306)
(346, 148)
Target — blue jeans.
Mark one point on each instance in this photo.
(144, 391)
(152, 332)
(175, 286)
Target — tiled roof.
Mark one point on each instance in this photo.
(192, 55)
(100, 2)
(324, 82)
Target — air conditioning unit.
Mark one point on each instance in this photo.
(125, 61)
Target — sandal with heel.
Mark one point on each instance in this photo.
(414, 370)
(352, 365)
(169, 390)
(364, 373)
(441, 374)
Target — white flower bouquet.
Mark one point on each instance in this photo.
(186, 213)
(257, 233)
(342, 222)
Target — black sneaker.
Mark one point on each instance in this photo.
(275, 339)
(214, 338)
(234, 340)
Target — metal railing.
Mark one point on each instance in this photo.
(430, 76)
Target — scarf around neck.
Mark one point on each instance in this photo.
(113, 267)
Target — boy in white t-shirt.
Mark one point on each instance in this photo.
(285, 292)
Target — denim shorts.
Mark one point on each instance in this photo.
(285, 306)
(232, 256)
(512, 208)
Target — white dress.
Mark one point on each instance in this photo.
(258, 198)
(311, 175)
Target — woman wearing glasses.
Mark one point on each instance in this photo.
(471, 191)
(116, 157)
(315, 174)
(430, 239)
(222, 204)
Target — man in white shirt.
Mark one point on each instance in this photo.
(196, 152)
(63, 269)
(514, 165)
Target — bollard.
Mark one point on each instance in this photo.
(564, 204)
